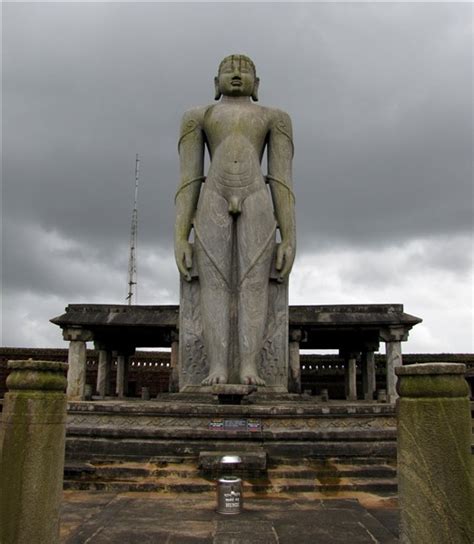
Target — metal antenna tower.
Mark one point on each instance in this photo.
(132, 260)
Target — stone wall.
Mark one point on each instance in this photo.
(147, 369)
(151, 369)
(327, 371)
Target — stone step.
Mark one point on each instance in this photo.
(253, 486)
(369, 471)
(108, 474)
(121, 448)
(161, 485)
(323, 485)
(352, 460)
(183, 475)
(130, 471)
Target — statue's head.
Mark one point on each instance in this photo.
(237, 77)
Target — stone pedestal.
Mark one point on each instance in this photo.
(76, 375)
(32, 455)
(232, 393)
(435, 469)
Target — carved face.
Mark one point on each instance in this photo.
(236, 77)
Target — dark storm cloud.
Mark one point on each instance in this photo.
(44, 262)
(392, 144)
(380, 96)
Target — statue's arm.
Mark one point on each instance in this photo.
(191, 156)
(280, 156)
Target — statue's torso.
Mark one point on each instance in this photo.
(227, 120)
(235, 136)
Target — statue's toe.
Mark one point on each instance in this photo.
(214, 379)
(252, 379)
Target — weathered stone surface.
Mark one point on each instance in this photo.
(32, 455)
(102, 518)
(175, 474)
(434, 455)
(368, 374)
(104, 373)
(229, 331)
(122, 373)
(76, 374)
(291, 429)
(194, 364)
(350, 376)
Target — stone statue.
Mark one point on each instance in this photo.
(235, 212)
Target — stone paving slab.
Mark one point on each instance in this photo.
(142, 518)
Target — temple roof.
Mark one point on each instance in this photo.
(322, 326)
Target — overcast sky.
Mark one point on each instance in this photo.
(380, 95)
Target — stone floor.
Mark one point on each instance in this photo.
(146, 518)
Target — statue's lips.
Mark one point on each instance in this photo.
(236, 83)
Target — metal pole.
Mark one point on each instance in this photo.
(132, 263)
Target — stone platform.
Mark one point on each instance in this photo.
(281, 426)
(287, 442)
(100, 518)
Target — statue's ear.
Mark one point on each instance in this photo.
(255, 90)
(218, 91)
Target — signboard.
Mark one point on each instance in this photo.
(250, 425)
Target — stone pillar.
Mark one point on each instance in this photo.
(435, 469)
(174, 361)
(76, 374)
(123, 357)
(120, 387)
(294, 367)
(393, 337)
(393, 354)
(368, 374)
(350, 375)
(32, 454)
(103, 372)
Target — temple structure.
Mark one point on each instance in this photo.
(354, 330)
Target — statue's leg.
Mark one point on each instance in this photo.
(256, 242)
(213, 251)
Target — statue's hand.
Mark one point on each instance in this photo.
(285, 256)
(183, 252)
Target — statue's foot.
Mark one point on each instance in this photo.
(215, 378)
(251, 378)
